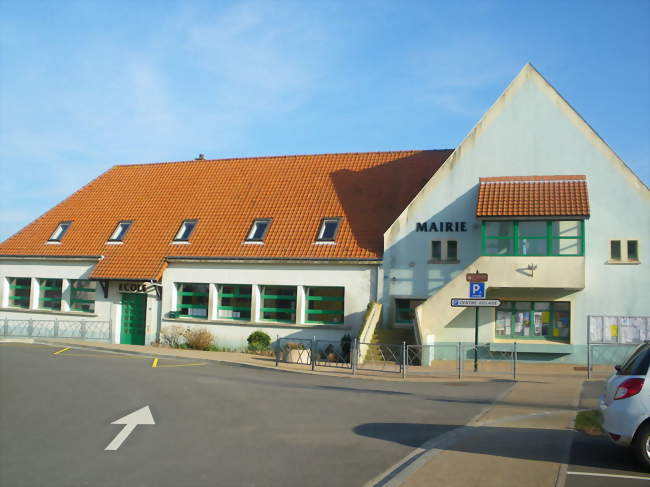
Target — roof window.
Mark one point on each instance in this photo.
(328, 230)
(60, 231)
(258, 230)
(184, 232)
(120, 231)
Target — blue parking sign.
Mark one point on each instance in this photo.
(477, 290)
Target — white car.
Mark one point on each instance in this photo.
(625, 405)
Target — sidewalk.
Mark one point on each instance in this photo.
(247, 359)
(524, 439)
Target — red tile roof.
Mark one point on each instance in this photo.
(533, 196)
(367, 190)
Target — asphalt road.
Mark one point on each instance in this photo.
(596, 461)
(215, 424)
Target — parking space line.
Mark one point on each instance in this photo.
(155, 363)
(596, 474)
(61, 351)
(106, 355)
(181, 365)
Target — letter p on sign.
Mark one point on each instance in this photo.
(477, 290)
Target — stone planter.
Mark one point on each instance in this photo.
(297, 356)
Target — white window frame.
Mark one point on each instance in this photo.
(444, 252)
(323, 225)
(120, 231)
(60, 231)
(253, 230)
(182, 230)
(625, 259)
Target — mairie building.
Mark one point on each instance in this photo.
(298, 246)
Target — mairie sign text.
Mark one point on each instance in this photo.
(441, 227)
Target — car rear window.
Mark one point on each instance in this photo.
(638, 363)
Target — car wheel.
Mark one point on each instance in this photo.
(641, 446)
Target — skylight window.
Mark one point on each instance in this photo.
(120, 231)
(328, 229)
(59, 232)
(258, 230)
(183, 234)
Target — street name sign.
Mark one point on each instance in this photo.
(474, 303)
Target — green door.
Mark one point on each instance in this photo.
(134, 310)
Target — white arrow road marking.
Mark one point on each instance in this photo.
(141, 416)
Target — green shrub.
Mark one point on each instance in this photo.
(198, 338)
(346, 344)
(259, 341)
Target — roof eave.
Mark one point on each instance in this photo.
(274, 260)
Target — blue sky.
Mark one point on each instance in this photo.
(86, 85)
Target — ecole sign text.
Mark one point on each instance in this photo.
(441, 227)
(132, 287)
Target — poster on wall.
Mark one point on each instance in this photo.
(538, 323)
(519, 323)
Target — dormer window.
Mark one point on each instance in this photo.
(258, 230)
(58, 234)
(328, 230)
(184, 232)
(120, 231)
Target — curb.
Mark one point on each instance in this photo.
(431, 380)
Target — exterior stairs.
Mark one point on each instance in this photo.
(391, 339)
(394, 336)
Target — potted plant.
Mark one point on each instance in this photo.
(296, 353)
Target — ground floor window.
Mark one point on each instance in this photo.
(193, 300)
(325, 305)
(533, 319)
(405, 310)
(234, 302)
(82, 296)
(20, 289)
(50, 294)
(279, 303)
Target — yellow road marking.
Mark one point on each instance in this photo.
(106, 355)
(61, 351)
(155, 363)
(181, 365)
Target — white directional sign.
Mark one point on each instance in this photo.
(473, 303)
(130, 421)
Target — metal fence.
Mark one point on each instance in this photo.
(380, 357)
(294, 350)
(611, 339)
(332, 353)
(458, 360)
(602, 358)
(81, 329)
(437, 360)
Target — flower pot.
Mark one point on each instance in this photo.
(297, 356)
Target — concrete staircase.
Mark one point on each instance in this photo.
(394, 336)
(388, 336)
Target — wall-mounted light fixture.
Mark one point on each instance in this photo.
(532, 268)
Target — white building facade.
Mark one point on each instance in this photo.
(551, 270)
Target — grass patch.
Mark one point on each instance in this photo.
(589, 422)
